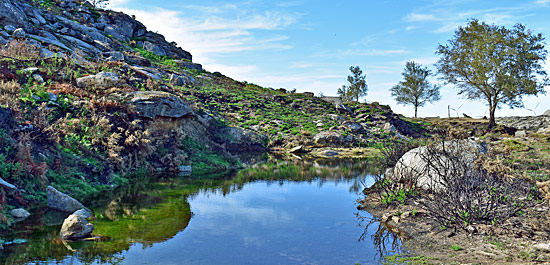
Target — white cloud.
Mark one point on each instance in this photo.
(415, 17)
(217, 34)
(543, 2)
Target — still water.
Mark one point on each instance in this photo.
(309, 220)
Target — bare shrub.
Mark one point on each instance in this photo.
(20, 49)
(387, 184)
(9, 93)
(464, 192)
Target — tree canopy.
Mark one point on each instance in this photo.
(415, 89)
(494, 64)
(357, 85)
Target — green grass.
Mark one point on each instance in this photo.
(398, 259)
(456, 248)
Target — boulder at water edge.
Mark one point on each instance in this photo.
(75, 227)
(413, 165)
(61, 201)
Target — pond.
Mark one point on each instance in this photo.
(276, 213)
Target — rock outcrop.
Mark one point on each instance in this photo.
(152, 104)
(61, 201)
(529, 123)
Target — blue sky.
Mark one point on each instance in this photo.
(310, 45)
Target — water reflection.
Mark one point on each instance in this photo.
(138, 217)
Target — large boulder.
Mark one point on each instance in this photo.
(75, 227)
(546, 113)
(102, 80)
(416, 166)
(61, 201)
(152, 104)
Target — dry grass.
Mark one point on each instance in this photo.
(21, 50)
(9, 93)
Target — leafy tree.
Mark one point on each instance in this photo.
(494, 64)
(357, 86)
(415, 89)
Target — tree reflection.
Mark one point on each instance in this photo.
(386, 239)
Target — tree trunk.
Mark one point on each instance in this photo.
(415, 111)
(492, 122)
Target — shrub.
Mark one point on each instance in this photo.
(465, 192)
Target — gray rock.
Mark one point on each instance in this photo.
(20, 213)
(147, 72)
(115, 33)
(154, 48)
(75, 227)
(546, 113)
(184, 170)
(80, 44)
(544, 247)
(45, 53)
(297, 149)
(328, 153)
(61, 201)
(324, 138)
(3, 41)
(9, 28)
(152, 104)
(389, 128)
(11, 13)
(30, 70)
(520, 133)
(10, 188)
(4, 34)
(354, 126)
(412, 165)
(19, 33)
(38, 78)
(544, 130)
(102, 80)
(189, 65)
(114, 56)
(52, 41)
(181, 80)
(38, 16)
(85, 213)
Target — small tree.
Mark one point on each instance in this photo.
(494, 64)
(357, 85)
(415, 88)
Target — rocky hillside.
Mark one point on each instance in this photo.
(90, 98)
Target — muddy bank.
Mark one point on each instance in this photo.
(520, 240)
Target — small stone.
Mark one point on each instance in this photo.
(19, 33)
(30, 70)
(297, 149)
(38, 78)
(20, 213)
(329, 153)
(471, 229)
(395, 219)
(385, 217)
(545, 247)
(10, 28)
(406, 214)
(520, 133)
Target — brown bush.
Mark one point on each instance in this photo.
(20, 49)
(9, 93)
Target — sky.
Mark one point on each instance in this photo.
(309, 45)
